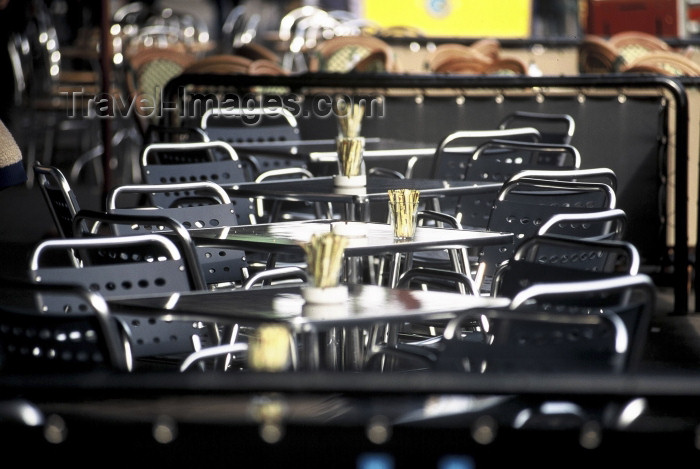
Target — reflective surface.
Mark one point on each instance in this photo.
(364, 238)
(323, 189)
(366, 304)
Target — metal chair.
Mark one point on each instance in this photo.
(588, 254)
(554, 128)
(456, 260)
(197, 205)
(34, 338)
(631, 297)
(514, 343)
(287, 273)
(535, 341)
(604, 175)
(121, 267)
(549, 259)
(605, 224)
(523, 206)
(266, 126)
(500, 160)
(103, 223)
(430, 278)
(201, 206)
(215, 161)
(297, 211)
(451, 162)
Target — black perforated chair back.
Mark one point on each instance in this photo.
(614, 256)
(517, 275)
(498, 161)
(261, 126)
(123, 272)
(194, 162)
(202, 206)
(535, 341)
(630, 297)
(454, 153)
(35, 338)
(524, 206)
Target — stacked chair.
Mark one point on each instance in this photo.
(513, 151)
(634, 52)
(483, 57)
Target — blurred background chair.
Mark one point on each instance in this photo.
(536, 341)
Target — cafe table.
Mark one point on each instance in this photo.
(321, 155)
(356, 200)
(318, 329)
(364, 239)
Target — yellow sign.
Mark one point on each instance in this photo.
(454, 18)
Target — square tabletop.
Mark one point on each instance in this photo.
(364, 238)
(323, 189)
(325, 150)
(365, 305)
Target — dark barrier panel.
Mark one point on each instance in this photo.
(619, 124)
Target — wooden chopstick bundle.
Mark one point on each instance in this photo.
(350, 155)
(269, 349)
(324, 256)
(404, 203)
(349, 117)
